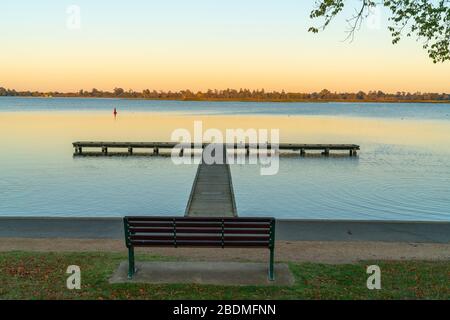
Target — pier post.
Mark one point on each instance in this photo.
(353, 153)
(326, 152)
(268, 149)
(156, 151)
(181, 152)
(302, 152)
(79, 150)
(130, 151)
(247, 150)
(104, 150)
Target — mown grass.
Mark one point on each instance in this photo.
(26, 275)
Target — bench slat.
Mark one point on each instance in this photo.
(203, 238)
(200, 225)
(194, 219)
(199, 231)
(262, 244)
(192, 231)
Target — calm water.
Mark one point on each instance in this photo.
(381, 110)
(402, 172)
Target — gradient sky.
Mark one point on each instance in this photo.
(201, 44)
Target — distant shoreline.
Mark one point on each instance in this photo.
(242, 95)
(239, 100)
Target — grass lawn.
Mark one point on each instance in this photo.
(27, 275)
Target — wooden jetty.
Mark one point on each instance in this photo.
(212, 192)
(157, 146)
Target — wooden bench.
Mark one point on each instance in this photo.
(199, 232)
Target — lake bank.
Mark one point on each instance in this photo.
(286, 230)
(326, 252)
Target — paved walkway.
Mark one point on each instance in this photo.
(294, 251)
(290, 230)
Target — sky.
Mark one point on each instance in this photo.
(203, 44)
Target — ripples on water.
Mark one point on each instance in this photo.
(96, 187)
(402, 185)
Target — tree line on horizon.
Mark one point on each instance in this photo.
(241, 94)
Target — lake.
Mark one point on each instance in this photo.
(401, 173)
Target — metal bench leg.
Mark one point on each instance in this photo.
(271, 271)
(131, 268)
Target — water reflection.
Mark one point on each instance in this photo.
(402, 171)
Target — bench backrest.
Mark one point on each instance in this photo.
(195, 232)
